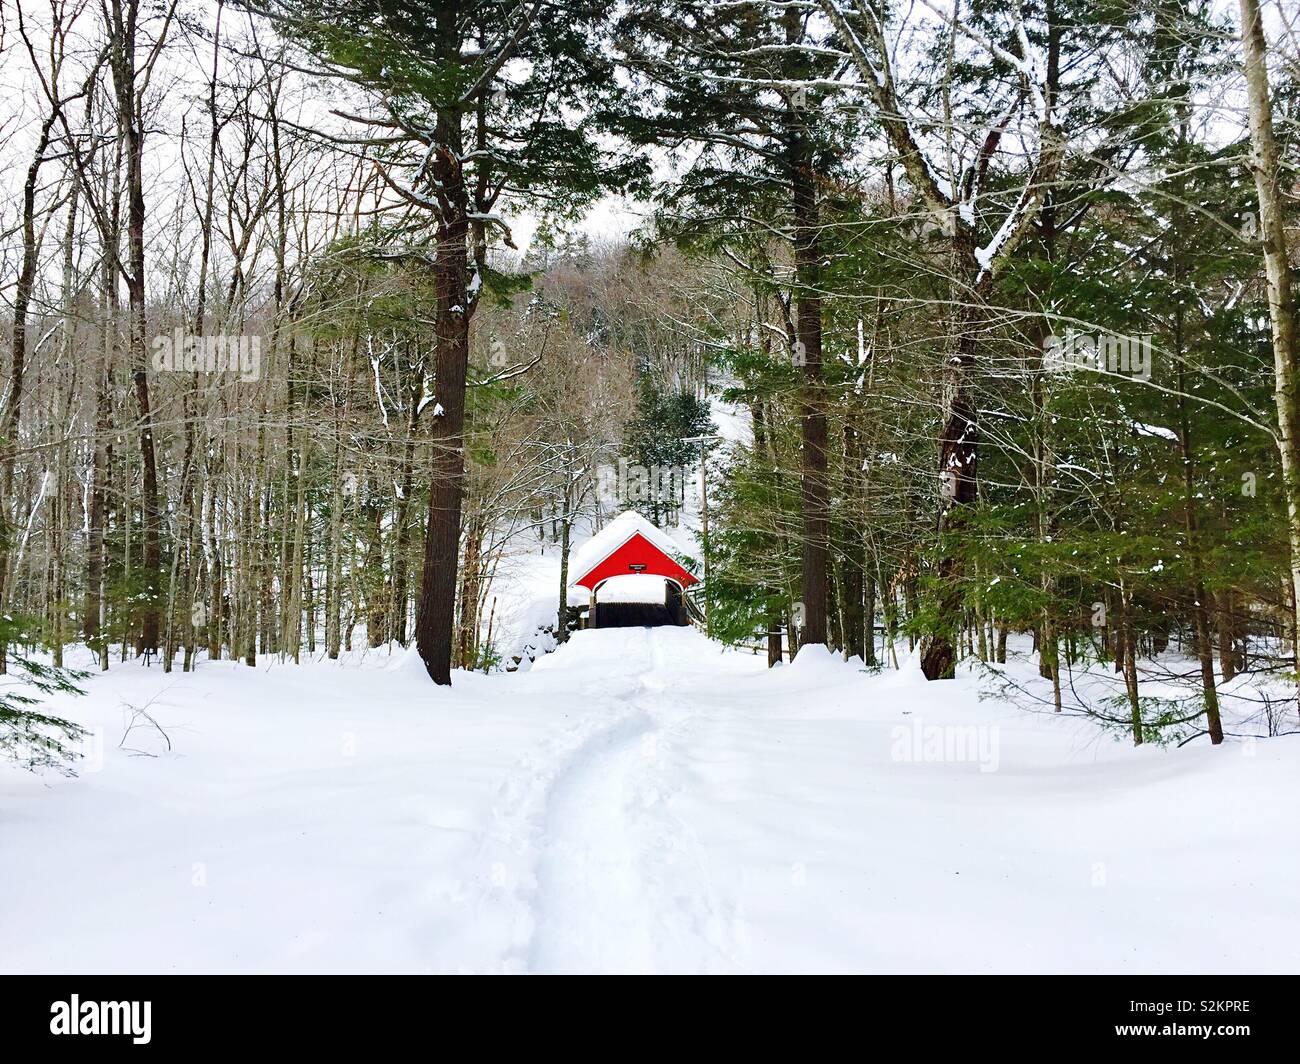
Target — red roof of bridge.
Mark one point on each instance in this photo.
(628, 544)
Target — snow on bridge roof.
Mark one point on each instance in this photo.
(588, 558)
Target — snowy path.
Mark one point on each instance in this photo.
(640, 801)
(591, 910)
(605, 891)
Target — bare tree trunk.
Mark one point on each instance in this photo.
(1128, 660)
(10, 419)
(122, 62)
(334, 561)
(401, 531)
(218, 615)
(773, 637)
(853, 581)
(562, 614)
(1200, 608)
(815, 493)
(1266, 164)
(1230, 658)
(470, 587)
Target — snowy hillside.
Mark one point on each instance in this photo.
(641, 800)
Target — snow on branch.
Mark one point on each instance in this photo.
(879, 82)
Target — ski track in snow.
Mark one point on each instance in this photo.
(619, 884)
(591, 910)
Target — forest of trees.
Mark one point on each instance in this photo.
(1005, 290)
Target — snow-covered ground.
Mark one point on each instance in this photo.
(641, 800)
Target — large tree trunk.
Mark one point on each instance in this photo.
(436, 611)
(94, 624)
(957, 487)
(1266, 164)
(131, 127)
(812, 416)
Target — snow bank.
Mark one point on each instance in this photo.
(815, 660)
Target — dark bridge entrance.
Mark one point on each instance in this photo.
(631, 615)
(637, 601)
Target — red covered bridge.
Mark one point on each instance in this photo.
(637, 565)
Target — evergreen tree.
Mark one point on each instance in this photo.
(656, 438)
(748, 88)
(483, 105)
(29, 737)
